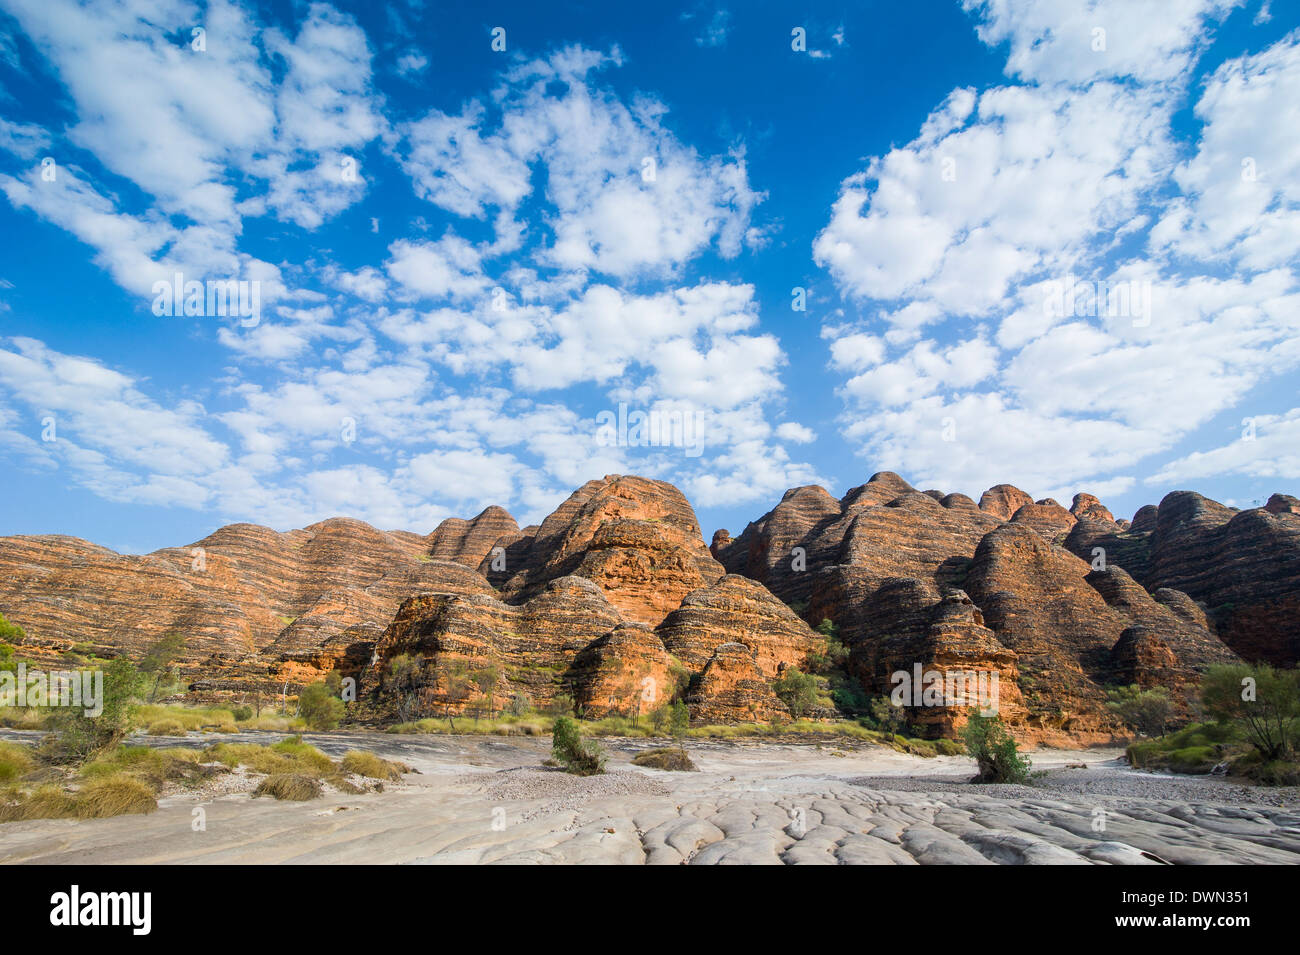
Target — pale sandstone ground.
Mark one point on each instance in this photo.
(486, 800)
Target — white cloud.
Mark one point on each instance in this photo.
(1269, 448)
(1059, 40)
(1241, 190)
(1010, 193)
(629, 198)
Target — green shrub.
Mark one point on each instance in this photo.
(1263, 703)
(577, 756)
(81, 736)
(242, 714)
(993, 749)
(679, 719)
(320, 709)
(1146, 711)
(1277, 773)
(885, 716)
(797, 690)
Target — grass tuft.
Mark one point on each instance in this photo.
(295, 787)
(670, 758)
(116, 795)
(373, 767)
(15, 761)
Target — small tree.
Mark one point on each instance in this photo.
(1147, 711)
(1262, 701)
(486, 679)
(888, 717)
(797, 690)
(403, 681)
(561, 705)
(320, 707)
(158, 659)
(993, 749)
(577, 756)
(459, 686)
(659, 719)
(679, 720)
(80, 735)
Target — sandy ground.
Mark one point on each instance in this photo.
(487, 800)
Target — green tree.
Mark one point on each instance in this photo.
(158, 659)
(797, 690)
(570, 750)
(319, 707)
(82, 735)
(888, 717)
(679, 720)
(993, 749)
(1147, 711)
(10, 633)
(1263, 702)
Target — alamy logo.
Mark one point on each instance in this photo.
(75, 908)
(215, 298)
(922, 687)
(658, 428)
(1073, 298)
(69, 688)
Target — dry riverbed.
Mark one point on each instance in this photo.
(487, 800)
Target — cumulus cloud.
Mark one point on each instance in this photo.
(963, 367)
(629, 198)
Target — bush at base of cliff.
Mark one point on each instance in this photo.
(1148, 712)
(993, 749)
(575, 755)
(797, 690)
(1194, 749)
(320, 708)
(1261, 702)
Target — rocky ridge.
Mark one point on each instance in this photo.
(615, 602)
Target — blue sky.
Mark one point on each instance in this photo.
(463, 256)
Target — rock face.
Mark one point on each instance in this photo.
(738, 610)
(471, 542)
(641, 606)
(615, 604)
(1003, 500)
(1243, 566)
(731, 689)
(242, 597)
(1054, 601)
(637, 539)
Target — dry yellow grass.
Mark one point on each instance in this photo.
(15, 761)
(114, 796)
(373, 767)
(166, 727)
(292, 786)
